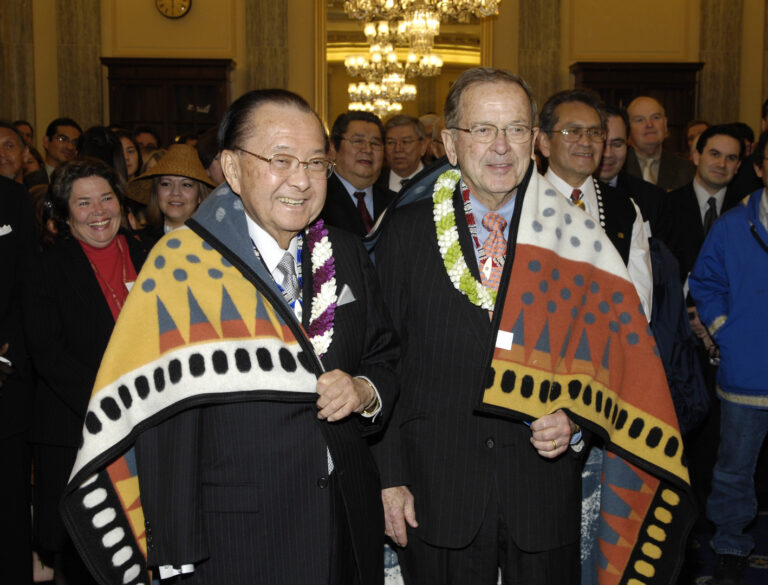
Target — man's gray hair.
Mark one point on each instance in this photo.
(482, 75)
(403, 120)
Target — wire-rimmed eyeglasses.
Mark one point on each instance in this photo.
(359, 143)
(575, 134)
(284, 165)
(485, 133)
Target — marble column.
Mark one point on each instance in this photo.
(78, 38)
(539, 44)
(266, 34)
(720, 50)
(17, 64)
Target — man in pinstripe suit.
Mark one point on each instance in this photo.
(467, 493)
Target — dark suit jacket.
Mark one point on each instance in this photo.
(68, 324)
(651, 200)
(340, 211)
(688, 235)
(17, 247)
(241, 489)
(674, 172)
(452, 458)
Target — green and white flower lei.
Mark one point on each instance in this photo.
(448, 242)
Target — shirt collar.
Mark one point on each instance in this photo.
(587, 187)
(702, 196)
(351, 189)
(413, 174)
(270, 251)
(642, 158)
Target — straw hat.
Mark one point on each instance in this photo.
(181, 160)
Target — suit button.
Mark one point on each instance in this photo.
(322, 483)
(490, 443)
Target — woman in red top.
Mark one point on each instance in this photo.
(74, 294)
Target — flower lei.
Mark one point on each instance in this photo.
(448, 242)
(323, 288)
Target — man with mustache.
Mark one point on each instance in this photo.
(647, 159)
(354, 201)
(572, 138)
(60, 142)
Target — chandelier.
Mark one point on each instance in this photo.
(459, 10)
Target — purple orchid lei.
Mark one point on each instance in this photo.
(324, 296)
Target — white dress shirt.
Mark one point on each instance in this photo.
(639, 263)
(396, 181)
(702, 197)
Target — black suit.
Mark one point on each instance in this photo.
(340, 211)
(247, 498)
(674, 172)
(688, 236)
(453, 459)
(651, 200)
(17, 246)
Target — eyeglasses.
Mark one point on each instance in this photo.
(361, 143)
(486, 133)
(404, 142)
(64, 139)
(284, 165)
(575, 134)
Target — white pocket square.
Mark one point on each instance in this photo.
(5, 230)
(346, 296)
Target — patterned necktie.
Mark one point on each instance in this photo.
(648, 171)
(711, 215)
(495, 247)
(363, 209)
(576, 198)
(290, 283)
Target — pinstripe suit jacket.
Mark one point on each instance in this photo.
(450, 456)
(240, 489)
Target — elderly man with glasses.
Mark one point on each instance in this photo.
(60, 142)
(266, 359)
(354, 200)
(572, 139)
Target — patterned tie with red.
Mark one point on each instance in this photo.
(576, 198)
(495, 247)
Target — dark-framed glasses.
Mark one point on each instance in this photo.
(485, 133)
(575, 134)
(284, 165)
(359, 143)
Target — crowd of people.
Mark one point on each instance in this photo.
(250, 356)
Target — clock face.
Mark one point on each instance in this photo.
(173, 8)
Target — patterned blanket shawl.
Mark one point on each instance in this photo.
(576, 338)
(192, 331)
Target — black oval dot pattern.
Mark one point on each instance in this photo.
(219, 363)
(593, 398)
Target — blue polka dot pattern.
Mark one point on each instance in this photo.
(534, 266)
(625, 318)
(537, 227)
(207, 246)
(575, 242)
(555, 274)
(590, 224)
(550, 192)
(543, 286)
(213, 273)
(226, 263)
(574, 312)
(551, 306)
(160, 262)
(548, 212)
(173, 243)
(558, 233)
(565, 294)
(589, 318)
(568, 219)
(617, 297)
(603, 307)
(193, 259)
(633, 339)
(594, 287)
(527, 298)
(613, 326)
(578, 280)
(598, 246)
(148, 285)
(180, 275)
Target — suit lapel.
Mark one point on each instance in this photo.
(82, 279)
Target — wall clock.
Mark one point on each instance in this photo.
(173, 8)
